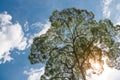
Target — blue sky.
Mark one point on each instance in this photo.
(22, 20)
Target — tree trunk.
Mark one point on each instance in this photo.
(83, 74)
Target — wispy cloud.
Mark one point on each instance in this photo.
(39, 29)
(117, 20)
(118, 6)
(106, 8)
(34, 74)
(111, 10)
(117, 14)
(45, 28)
(11, 37)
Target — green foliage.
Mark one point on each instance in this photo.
(71, 42)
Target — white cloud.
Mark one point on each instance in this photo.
(11, 37)
(106, 9)
(34, 74)
(44, 30)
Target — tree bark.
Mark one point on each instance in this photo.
(83, 74)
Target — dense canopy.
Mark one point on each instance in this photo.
(74, 43)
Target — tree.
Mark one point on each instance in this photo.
(73, 44)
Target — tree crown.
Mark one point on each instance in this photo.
(73, 43)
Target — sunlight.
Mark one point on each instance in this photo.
(96, 66)
(106, 72)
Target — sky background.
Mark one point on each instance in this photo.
(22, 20)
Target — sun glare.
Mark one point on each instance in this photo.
(96, 68)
